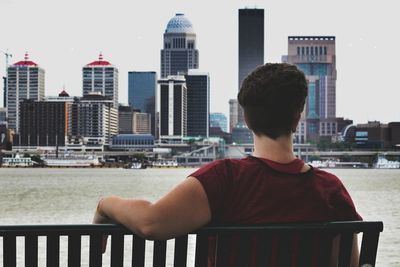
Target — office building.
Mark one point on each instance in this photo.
(219, 120)
(5, 92)
(63, 96)
(131, 121)
(3, 116)
(179, 53)
(94, 120)
(102, 77)
(125, 120)
(251, 55)
(142, 86)
(25, 80)
(373, 135)
(198, 103)
(133, 142)
(316, 57)
(173, 109)
(251, 41)
(141, 123)
(233, 113)
(43, 123)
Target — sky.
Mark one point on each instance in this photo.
(63, 36)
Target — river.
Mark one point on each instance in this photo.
(69, 196)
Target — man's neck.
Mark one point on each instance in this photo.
(279, 150)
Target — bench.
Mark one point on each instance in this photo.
(265, 233)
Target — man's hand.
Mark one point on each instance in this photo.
(101, 218)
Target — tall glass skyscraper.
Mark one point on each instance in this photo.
(179, 53)
(251, 55)
(142, 87)
(25, 80)
(102, 77)
(316, 57)
(251, 41)
(173, 109)
(198, 103)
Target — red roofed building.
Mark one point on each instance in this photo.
(102, 77)
(25, 80)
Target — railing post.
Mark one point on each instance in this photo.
(95, 253)
(31, 250)
(9, 250)
(53, 250)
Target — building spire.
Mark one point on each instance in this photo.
(101, 56)
(26, 58)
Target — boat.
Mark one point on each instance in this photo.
(383, 163)
(165, 163)
(137, 165)
(71, 161)
(18, 161)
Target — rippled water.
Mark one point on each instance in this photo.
(65, 196)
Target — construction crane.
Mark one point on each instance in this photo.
(8, 56)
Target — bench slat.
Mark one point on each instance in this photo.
(222, 253)
(53, 250)
(264, 249)
(180, 251)
(369, 247)
(201, 257)
(9, 250)
(306, 246)
(31, 251)
(95, 253)
(325, 250)
(117, 250)
(74, 250)
(345, 248)
(284, 249)
(243, 253)
(159, 253)
(138, 251)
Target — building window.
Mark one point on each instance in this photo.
(325, 50)
(307, 50)
(298, 50)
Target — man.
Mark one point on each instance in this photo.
(271, 186)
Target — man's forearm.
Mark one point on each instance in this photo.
(132, 213)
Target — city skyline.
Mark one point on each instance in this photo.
(133, 40)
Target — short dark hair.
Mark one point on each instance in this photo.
(273, 97)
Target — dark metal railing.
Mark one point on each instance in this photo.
(245, 252)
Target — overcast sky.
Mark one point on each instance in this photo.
(63, 36)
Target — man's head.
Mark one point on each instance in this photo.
(273, 97)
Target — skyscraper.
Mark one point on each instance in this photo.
(251, 41)
(179, 53)
(25, 80)
(173, 109)
(233, 113)
(198, 103)
(101, 76)
(94, 119)
(251, 51)
(142, 87)
(316, 57)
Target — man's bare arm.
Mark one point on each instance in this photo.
(182, 210)
(355, 255)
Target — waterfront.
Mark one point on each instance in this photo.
(69, 196)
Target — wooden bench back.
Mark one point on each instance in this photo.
(272, 237)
